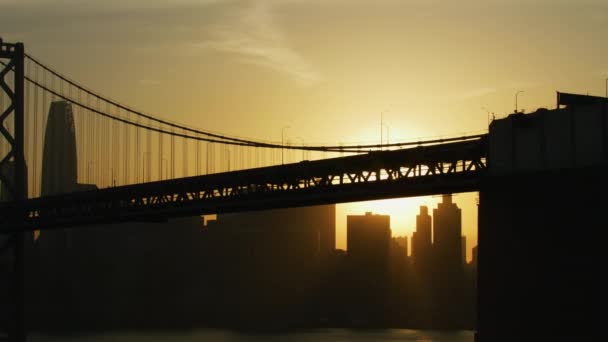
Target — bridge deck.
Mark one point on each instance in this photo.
(451, 167)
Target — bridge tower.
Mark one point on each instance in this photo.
(542, 215)
(12, 57)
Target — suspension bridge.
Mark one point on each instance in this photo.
(142, 165)
(73, 157)
(118, 164)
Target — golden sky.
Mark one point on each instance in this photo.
(326, 68)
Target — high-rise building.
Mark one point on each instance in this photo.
(422, 237)
(448, 270)
(327, 229)
(463, 244)
(447, 232)
(59, 162)
(474, 258)
(368, 237)
(402, 242)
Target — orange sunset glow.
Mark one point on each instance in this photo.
(330, 71)
(186, 170)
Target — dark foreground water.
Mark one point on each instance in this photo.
(322, 335)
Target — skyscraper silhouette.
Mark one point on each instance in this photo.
(463, 248)
(59, 172)
(368, 242)
(447, 232)
(448, 270)
(422, 239)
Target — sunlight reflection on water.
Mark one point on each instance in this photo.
(329, 335)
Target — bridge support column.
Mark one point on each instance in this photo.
(542, 256)
(13, 176)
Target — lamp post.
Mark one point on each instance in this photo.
(517, 93)
(387, 134)
(488, 114)
(283, 143)
(382, 127)
(207, 158)
(302, 141)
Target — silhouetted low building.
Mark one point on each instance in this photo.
(119, 276)
(368, 238)
(266, 266)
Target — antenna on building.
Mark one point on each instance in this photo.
(441, 195)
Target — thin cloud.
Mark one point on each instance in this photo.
(473, 93)
(108, 4)
(259, 42)
(523, 85)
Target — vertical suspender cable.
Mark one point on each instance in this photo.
(172, 155)
(110, 147)
(27, 123)
(126, 159)
(97, 164)
(137, 156)
(79, 139)
(185, 156)
(35, 137)
(149, 151)
(116, 154)
(89, 128)
(198, 157)
(160, 153)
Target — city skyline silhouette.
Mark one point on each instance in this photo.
(261, 169)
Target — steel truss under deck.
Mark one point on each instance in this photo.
(425, 170)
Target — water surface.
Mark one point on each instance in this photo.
(329, 335)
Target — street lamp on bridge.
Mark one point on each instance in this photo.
(517, 93)
(382, 125)
(488, 114)
(302, 141)
(283, 142)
